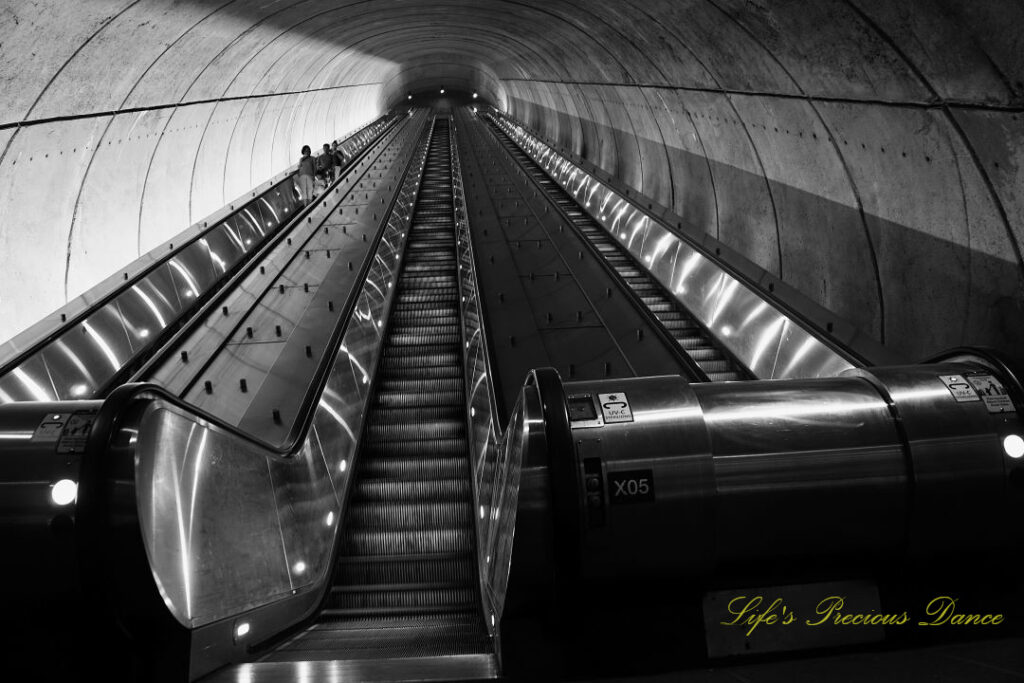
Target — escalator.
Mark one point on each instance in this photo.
(405, 581)
(692, 338)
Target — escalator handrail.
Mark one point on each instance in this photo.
(792, 311)
(565, 484)
(75, 319)
(167, 347)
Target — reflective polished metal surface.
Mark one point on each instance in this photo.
(770, 342)
(107, 328)
(230, 525)
(681, 480)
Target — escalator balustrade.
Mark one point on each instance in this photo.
(693, 339)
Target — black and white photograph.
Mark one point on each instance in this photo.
(583, 341)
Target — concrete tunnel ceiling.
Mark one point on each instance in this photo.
(867, 152)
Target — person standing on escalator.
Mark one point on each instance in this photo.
(306, 176)
(325, 165)
(339, 159)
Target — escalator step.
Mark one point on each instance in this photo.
(723, 376)
(705, 354)
(383, 543)
(424, 339)
(409, 516)
(399, 399)
(377, 430)
(422, 362)
(414, 467)
(423, 416)
(406, 372)
(421, 351)
(391, 490)
(452, 599)
(434, 570)
(420, 449)
(418, 386)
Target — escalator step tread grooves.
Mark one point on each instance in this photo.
(664, 307)
(405, 583)
(452, 570)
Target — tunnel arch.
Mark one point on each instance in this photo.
(868, 153)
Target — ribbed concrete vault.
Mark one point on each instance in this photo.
(867, 152)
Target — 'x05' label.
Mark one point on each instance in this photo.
(631, 486)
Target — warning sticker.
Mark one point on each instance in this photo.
(958, 386)
(615, 408)
(76, 432)
(50, 427)
(993, 393)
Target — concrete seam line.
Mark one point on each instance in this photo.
(158, 107)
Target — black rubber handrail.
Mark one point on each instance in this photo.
(822, 335)
(170, 343)
(73, 320)
(564, 477)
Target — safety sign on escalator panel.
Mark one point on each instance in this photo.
(992, 392)
(615, 408)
